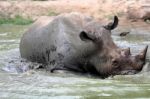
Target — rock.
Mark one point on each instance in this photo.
(124, 33)
(139, 10)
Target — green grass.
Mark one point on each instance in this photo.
(17, 20)
(120, 14)
(52, 13)
(109, 17)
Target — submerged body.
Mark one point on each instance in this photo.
(78, 43)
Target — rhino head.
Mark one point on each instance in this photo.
(108, 59)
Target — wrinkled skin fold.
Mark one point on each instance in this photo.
(78, 43)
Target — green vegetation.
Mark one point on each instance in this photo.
(51, 12)
(17, 20)
(120, 14)
(109, 17)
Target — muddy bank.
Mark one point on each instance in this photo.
(98, 8)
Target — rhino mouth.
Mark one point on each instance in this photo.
(127, 72)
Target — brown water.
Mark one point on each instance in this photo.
(41, 84)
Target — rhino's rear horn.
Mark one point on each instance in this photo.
(127, 52)
(142, 54)
(112, 25)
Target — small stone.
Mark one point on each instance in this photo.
(124, 33)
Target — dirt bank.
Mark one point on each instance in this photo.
(98, 8)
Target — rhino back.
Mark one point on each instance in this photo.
(53, 40)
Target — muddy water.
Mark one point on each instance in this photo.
(41, 84)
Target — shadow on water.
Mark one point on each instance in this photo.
(41, 84)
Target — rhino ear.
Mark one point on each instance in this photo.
(84, 36)
(112, 25)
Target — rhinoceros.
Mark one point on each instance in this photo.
(78, 43)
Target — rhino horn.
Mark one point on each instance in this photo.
(127, 51)
(113, 24)
(142, 54)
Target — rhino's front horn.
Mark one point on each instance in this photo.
(142, 54)
(113, 24)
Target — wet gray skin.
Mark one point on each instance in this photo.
(78, 43)
(41, 84)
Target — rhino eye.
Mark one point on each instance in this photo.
(115, 64)
(84, 36)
